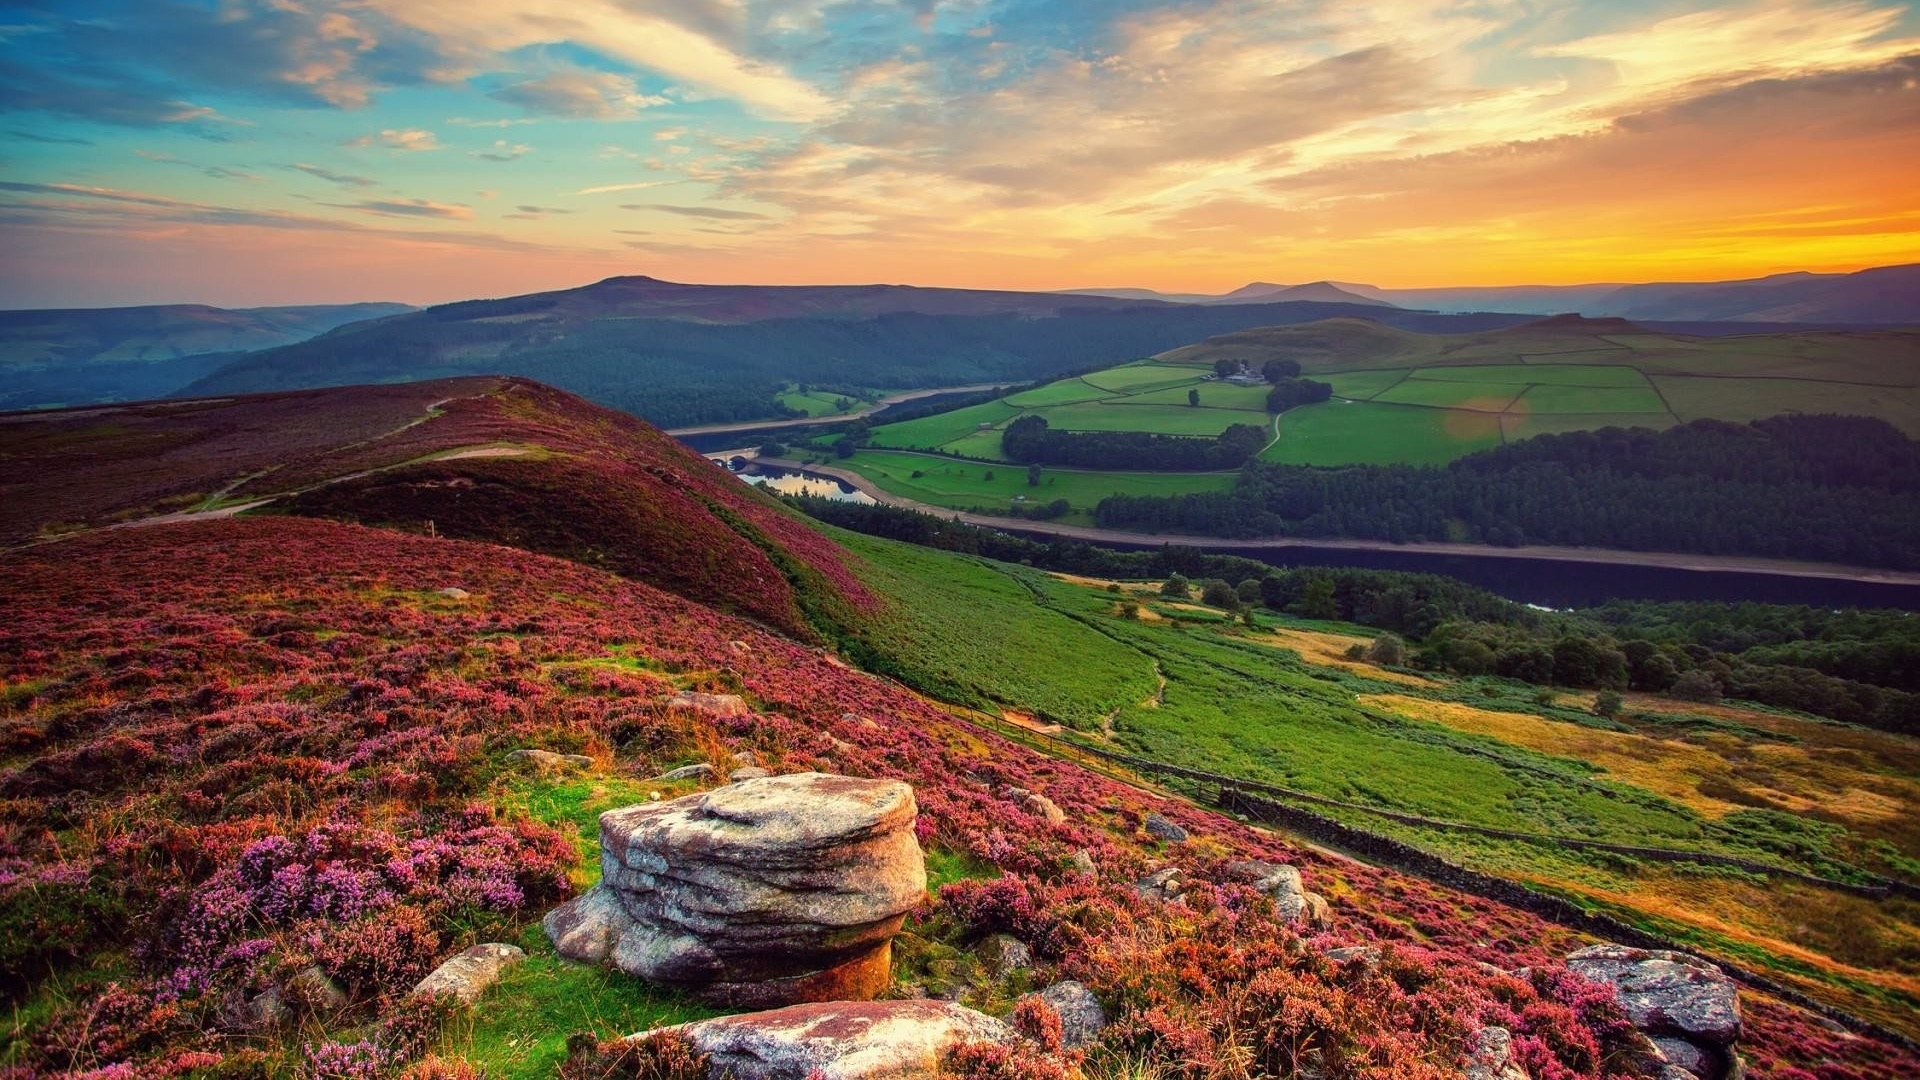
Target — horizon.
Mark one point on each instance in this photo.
(246, 153)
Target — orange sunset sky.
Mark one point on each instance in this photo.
(280, 151)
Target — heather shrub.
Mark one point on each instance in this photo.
(666, 1055)
(991, 1061)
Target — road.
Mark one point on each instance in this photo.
(837, 418)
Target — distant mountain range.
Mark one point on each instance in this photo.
(86, 355)
(1883, 295)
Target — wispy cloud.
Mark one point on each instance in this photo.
(409, 139)
(409, 208)
(574, 94)
(502, 151)
(330, 176)
(712, 213)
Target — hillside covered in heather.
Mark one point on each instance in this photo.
(278, 757)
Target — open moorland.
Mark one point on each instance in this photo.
(248, 759)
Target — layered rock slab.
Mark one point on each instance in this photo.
(766, 892)
(839, 1040)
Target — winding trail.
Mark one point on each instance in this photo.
(1590, 556)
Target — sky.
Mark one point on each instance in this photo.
(249, 152)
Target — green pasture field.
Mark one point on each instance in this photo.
(1487, 397)
(980, 444)
(1524, 374)
(1563, 400)
(1115, 415)
(1362, 385)
(1362, 432)
(1213, 395)
(931, 431)
(1138, 376)
(965, 485)
(1752, 399)
(815, 404)
(1064, 392)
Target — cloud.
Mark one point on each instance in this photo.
(55, 140)
(408, 139)
(535, 213)
(462, 121)
(582, 95)
(638, 185)
(346, 179)
(502, 151)
(217, 172)
(704, 44)
(712, 213)
(408, 208)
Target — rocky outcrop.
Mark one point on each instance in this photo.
(766, 892)
(716, 705)
(840, 1040)
(1689, 1007)
(1289, 892)
(469, 974)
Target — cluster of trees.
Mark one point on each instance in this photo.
(1288, 393)
(1830, 488)
(1030, 440)
(1851, 665)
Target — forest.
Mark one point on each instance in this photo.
(1836, 489)
(1030, 441)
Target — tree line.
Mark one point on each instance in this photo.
(1029, 440)
(1829, 488)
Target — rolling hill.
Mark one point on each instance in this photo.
(689, 354)
(61, 357)
(297, 744)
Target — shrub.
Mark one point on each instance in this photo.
(1177, 587)
(1606, 703)
(1387, 650)
(666, 1055)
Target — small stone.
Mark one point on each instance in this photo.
(1041, 806)
(751, 772)
(687, 772)
(1364, 954)
(716, 705)
(269, 1009)
(1160, 828)
(1003, 954)
(1163, 885)
(548, 763)
(315, 991)
(1083, 863)
(469, 974)
(1081, 1016)
(452, 593)
(745, 757)
(1490, 1056)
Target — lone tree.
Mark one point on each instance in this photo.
(1193, 398)
(1387, 650)
(1033, 476)
(1219, 594)
(1606, 703)
(773, 449)
(1275, 370)
(1177, 587)
(1224, 368)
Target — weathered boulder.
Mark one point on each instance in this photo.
(1667, 993)
(766, 892)
(1289, 892)
(1041, 806)
(1490, 1056)
(1688, 1007)
(1348, 954)
(452, 592)
(1081, 1016)
(687, 772)
(840, 1040)
(548, 763)
(1165, 885)
(469, 974)
(717, 705)
(1003, 954)
(1161, 828)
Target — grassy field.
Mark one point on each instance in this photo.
(1407, 398)
(992, 488)
(1347, 432)
(1281, 703)
(817, 403)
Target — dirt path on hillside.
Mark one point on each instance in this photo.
(1591, 556)
(811, 421)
